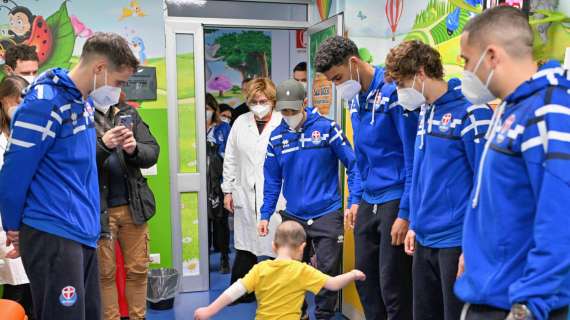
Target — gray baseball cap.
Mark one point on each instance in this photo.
(290, 95)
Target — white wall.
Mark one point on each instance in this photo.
(284, 55)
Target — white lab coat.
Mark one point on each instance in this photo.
(11, 270)
(243, 178)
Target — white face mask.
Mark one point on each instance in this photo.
(105, 96)
(294, 120)
(103, 109)
(304, 85)
(11, 111)
(29, 79)
(350, 88)
(209, 114)
(226, 119)
(410, 98)
(473, 88)
(260, 110)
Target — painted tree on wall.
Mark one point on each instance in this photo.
(248, 52)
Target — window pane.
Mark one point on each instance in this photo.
(190, 234)
(186, 103)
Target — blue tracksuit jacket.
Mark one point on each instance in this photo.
(49, 179)
(219, 136)
(305, 163)
(384, 136)
(449, 144)
(517, 229)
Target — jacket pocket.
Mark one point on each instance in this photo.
(450, 205)
(142, 200)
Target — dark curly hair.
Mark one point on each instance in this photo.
(333, 52)
(404, 61)
(20, 52)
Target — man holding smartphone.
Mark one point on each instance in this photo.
(124, 146)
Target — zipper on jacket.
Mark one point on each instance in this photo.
(491, 132)
(255, 201)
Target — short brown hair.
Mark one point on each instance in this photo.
(405, 60)
(22, 52)
(290, 234)
(504, 25)
(113, 47)
(261, 86)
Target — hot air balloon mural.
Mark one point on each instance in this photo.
(394, 9)
(324, 7)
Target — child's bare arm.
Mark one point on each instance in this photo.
(234, 292)
(341, 281)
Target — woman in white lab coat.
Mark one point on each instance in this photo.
(243, 176)
(12, 273)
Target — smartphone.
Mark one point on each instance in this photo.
(126, 121)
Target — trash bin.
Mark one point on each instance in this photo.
(162, 288)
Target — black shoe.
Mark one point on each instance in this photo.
(225, 264)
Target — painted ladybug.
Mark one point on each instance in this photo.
(31, 30)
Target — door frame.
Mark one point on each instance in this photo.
(196, 182)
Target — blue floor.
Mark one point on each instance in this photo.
(186, 303)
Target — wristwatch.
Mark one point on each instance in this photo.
(520, 311)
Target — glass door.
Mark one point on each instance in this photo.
(323, 92)
(187, 152)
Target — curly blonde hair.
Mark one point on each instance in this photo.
(405, 60)
(262, 86)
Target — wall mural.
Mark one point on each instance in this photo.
(233, 55)
(59, 30)
(53, 37)
(440, 23)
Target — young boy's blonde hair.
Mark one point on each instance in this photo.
(290, 234)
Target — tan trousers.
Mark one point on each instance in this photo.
(134, 246)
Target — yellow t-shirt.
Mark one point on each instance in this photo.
(280, 287)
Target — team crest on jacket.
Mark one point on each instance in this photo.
(505, 128)
(68, 296)
(445, 122)
(316, 137)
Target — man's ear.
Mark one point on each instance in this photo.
(422, 74)
(7, 69)
(99, 65)
(495, 54)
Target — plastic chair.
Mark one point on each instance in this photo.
(11, 310)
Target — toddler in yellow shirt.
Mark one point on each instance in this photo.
(280, 285)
